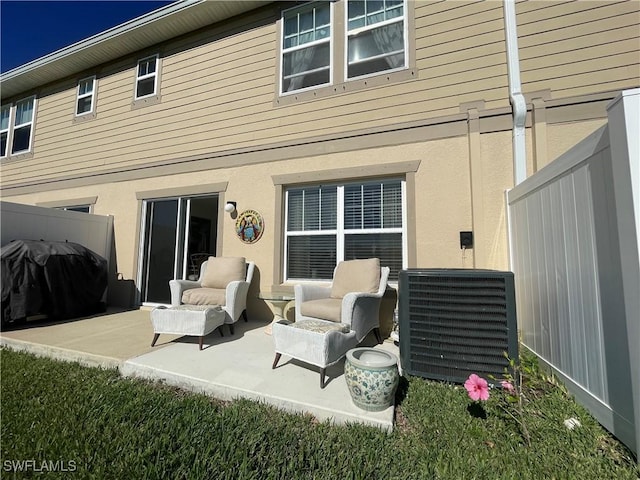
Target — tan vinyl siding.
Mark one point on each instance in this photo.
(462, 60)
(219, 96)
(121, 135)
(578, 48)
(217, 86)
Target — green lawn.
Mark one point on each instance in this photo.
(99, 425)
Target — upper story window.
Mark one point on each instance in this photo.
(306, 47)
(85, 97)
(375, 37)
(16, 127)
(23, 126)
(344, 45)
(147, 77)
(5, 116)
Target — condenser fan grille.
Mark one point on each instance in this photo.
(456, 322)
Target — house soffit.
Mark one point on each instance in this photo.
(143, 32)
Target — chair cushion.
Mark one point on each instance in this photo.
(320, 326)
(221, 271)
(205, 296)
(324, 308)
(356, 276)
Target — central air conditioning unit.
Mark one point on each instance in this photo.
(455, 322)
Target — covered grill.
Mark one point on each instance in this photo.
(58, 279)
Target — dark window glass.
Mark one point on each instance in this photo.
(21, 139)
(84, 105)
(145, 87)
(3, 144)
(311, 256)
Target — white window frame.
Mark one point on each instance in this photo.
(284, 51)
(146, 76)
(81, 96)
(340, 231)
(13, 126)
(358, 31)
(78, 208)
(7, 108)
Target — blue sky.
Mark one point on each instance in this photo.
(32, 29)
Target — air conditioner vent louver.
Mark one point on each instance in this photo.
(456, 322)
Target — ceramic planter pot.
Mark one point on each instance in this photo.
(372, 378)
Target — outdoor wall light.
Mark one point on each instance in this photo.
(230, 207)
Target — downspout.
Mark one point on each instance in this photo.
(516, 97)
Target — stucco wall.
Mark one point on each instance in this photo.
(442, 204)
(441, 201)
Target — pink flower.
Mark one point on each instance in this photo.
(477, 387)
(507, 386)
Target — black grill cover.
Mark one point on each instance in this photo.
(59, 279)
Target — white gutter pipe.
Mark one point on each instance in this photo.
(516, 97)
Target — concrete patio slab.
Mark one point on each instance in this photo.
(104, 340)
(229, 367)
(239, 366)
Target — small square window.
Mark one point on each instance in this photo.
(147, 77)
(85, 99)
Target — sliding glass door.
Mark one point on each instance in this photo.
(178, 233)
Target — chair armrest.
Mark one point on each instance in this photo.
(306, 292)
(177, 287)
(362, 312)
(236, 298)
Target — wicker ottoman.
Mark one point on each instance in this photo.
(196, 320)
(318, 342)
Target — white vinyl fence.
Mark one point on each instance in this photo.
(28, 222)
(574, 238)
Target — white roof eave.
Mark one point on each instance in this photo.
(153, 28)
